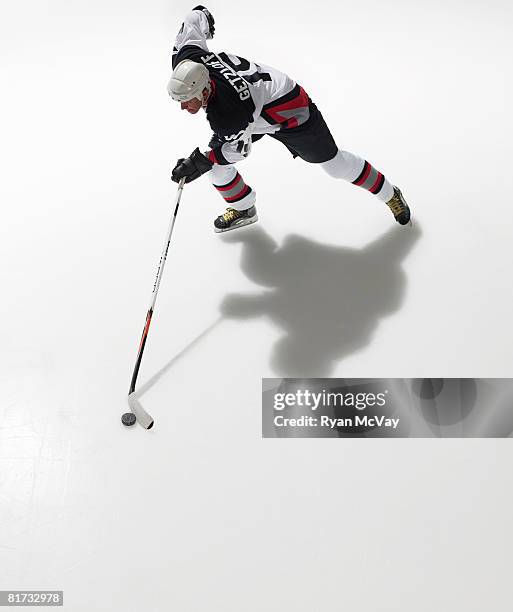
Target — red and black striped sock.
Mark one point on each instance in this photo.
(370, 179)
(234, 191)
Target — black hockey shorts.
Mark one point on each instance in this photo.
(311, 141)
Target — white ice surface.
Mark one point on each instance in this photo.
(200, 513)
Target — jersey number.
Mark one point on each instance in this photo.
(239, 64)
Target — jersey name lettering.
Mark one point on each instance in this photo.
(237, 82)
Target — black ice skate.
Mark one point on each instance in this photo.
(233, 219)
(399, 208)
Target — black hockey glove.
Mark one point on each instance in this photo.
(191, 167)
(208, 15)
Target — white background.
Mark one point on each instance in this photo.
(200, 513)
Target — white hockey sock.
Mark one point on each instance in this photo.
(231, 186)
(356, 170)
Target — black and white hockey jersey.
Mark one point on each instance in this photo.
(247, 98)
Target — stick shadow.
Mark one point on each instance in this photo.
(327, 300)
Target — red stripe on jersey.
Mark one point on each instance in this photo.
(212, 157)
(213, 89)
(240, 195)
(300, 101)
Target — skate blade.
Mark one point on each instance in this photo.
(241, 223)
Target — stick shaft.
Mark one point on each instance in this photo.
(156, 286)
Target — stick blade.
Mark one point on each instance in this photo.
(141, 415)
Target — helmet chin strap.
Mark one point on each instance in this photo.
(206, 97)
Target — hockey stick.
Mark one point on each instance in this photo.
(141, 415)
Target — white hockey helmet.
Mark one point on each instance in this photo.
(188, 81)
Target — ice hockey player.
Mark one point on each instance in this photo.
(244, 101)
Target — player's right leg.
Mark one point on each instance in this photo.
(354, 169)
(314, 143)
(239, 197)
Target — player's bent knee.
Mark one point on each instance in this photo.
(222, 174)
(344, 165)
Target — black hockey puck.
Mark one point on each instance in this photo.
(128, 419)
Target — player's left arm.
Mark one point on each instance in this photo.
(230, 149)
(223, 151)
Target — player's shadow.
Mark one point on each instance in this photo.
(328, 300)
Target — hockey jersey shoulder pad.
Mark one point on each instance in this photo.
(190, 52)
